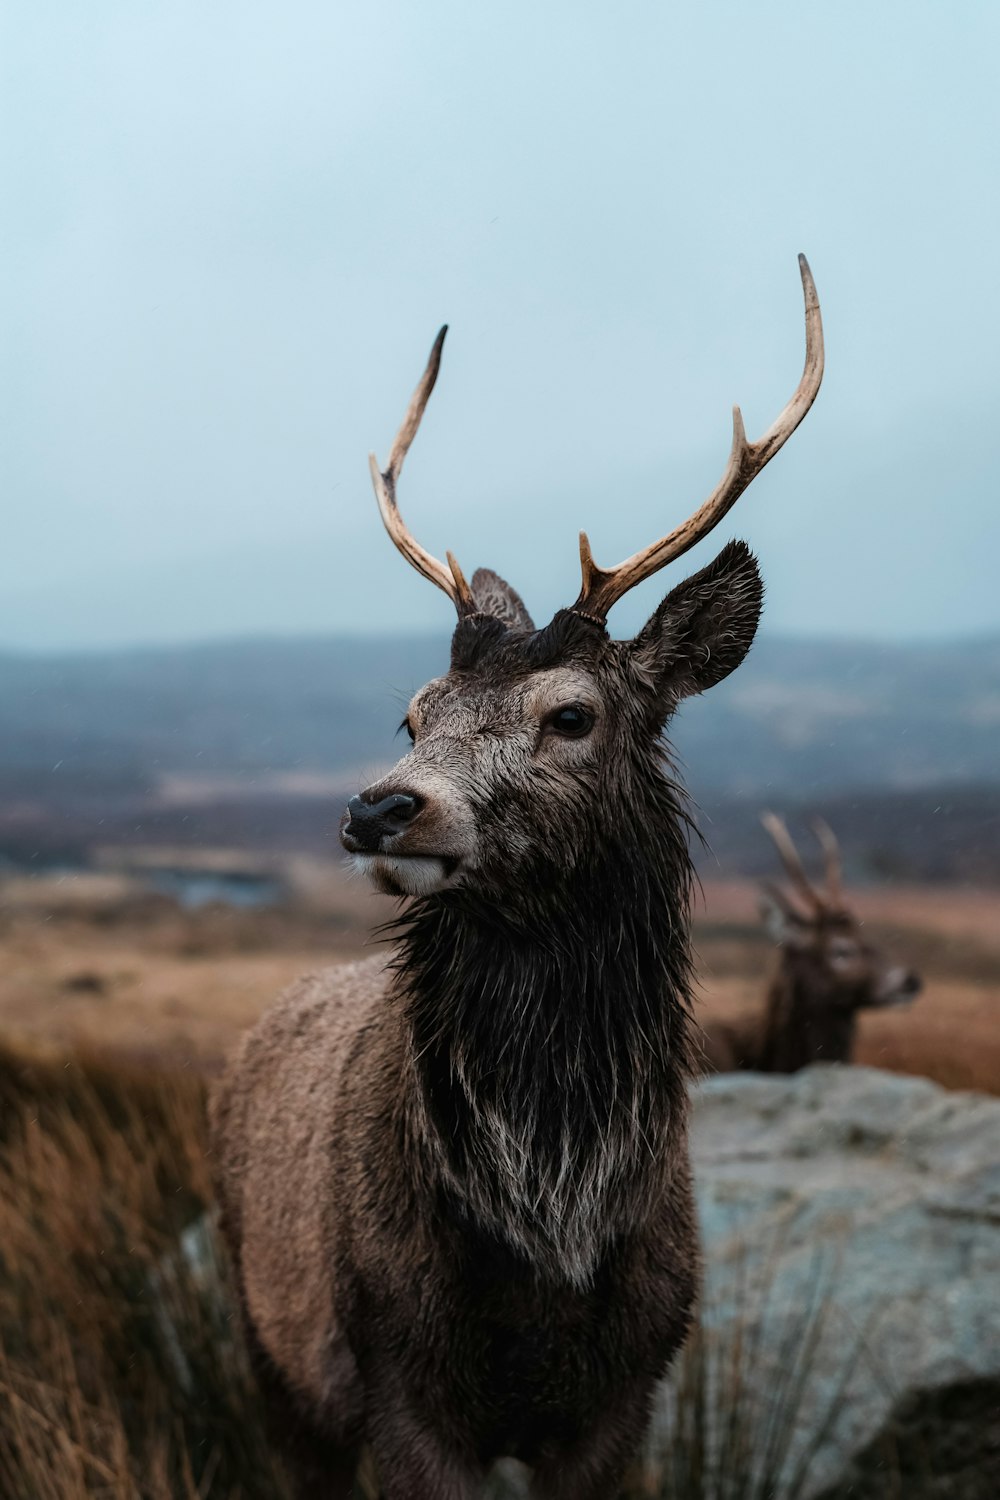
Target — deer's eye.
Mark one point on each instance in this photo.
(572, 722)
(409, 729)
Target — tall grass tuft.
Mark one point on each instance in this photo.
(122, 1373)
(752, 1399)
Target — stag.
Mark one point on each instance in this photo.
(454, 1180)
(827, 972)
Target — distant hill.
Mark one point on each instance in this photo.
(243, 706)
(800, 718)
(934, 834)
(257, 745)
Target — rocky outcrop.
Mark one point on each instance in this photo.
(851, 1221)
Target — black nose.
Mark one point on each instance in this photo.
(911, 985)
(370, 822)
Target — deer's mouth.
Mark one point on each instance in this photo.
(408, 874)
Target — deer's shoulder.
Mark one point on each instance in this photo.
(310, 1021)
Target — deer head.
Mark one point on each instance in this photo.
(822, 941)
(540, 749)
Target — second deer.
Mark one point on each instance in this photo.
(828, 972)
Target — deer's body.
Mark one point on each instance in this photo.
(463, 1271)
(827, 972)
(456, 1184)
(792, 1032)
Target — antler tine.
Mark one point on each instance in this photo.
(778, 830)
(786, 904)
(782, 899)
(603, 587)
(830, 845)
(448, 577)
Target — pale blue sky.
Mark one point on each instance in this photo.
(230, 232)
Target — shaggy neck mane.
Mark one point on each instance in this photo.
(549, 1045)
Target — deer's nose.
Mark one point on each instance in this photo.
(912, 984)
(368, 822)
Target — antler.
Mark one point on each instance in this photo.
(449, 578)
(831, 852)
(778, 830)
(603, 587)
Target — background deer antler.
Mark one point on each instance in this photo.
(778, 830)
(603, 587)
(830, 845)
(449, 578)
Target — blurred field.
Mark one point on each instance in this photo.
(94, 961)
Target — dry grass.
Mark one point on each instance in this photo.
(88, 963)
(731, 1428)
(121, 1370)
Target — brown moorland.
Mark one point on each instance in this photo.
(93, 962)
(121, 1367)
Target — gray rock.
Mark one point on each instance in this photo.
(851, 1222)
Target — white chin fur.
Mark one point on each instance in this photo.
(417, 876)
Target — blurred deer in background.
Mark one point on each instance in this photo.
(455, 1184)
(827, 973)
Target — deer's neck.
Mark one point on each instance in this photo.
(550, 1053)
(804, 1026)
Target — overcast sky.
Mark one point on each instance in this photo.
(231, 231)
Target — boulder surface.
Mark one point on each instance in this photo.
(851, 1224)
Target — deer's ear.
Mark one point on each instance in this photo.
(777, 922)
(495, 597)
(704, 628)
(782, 922)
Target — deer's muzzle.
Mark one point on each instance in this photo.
(370, 823)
